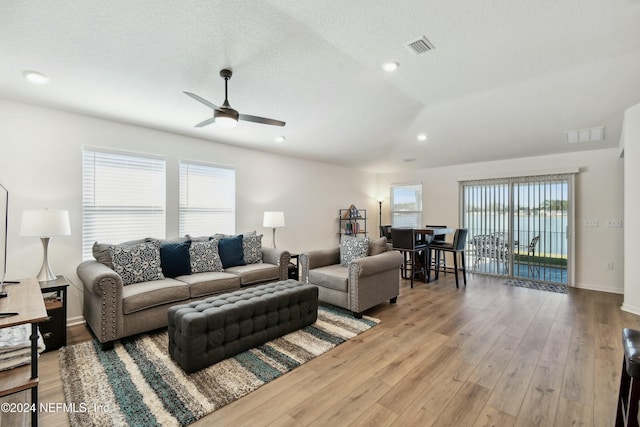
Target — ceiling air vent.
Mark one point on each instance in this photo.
(419, 46)
(584, 135)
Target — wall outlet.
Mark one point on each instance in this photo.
(590, 222)
(610, 265)
(616, 223)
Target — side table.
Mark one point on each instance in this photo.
(294, 267)
(54, 332)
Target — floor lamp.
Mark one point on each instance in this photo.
(273, 220)
(380, 199)
(45, 223)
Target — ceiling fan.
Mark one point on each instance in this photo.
(226, 116)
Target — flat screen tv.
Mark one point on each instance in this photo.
(4, 213)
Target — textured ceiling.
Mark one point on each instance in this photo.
(506, 79)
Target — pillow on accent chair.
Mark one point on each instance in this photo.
(252, 248)
(378, 246)
(231, 251)
(204, 256)
(138, 263)
(174, 258)
(353, 248)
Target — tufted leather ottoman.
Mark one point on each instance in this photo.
(204, 332)
(629, 394)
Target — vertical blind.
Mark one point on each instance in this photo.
(519, 226)
(123, 197)
(406, 205)
(207, 199)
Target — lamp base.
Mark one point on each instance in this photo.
(46, 274)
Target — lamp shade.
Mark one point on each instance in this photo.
(273, 219)
(45, 223)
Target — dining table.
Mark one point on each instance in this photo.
(424, 236)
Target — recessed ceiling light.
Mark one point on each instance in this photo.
(422, 137)
(35, 77)
(279, 139)
(390, 67)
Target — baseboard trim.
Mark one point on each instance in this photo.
(599, 288)
(73, 321)
(630, 309)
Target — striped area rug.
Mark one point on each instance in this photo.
(137, 383)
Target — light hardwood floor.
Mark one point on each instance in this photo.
(484, 355)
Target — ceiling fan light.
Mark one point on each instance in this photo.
(225, 119)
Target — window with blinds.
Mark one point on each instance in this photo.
(207, 199)
(406, 205)
(123, 197)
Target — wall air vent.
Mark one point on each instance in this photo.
(584, 135)
(420, 46)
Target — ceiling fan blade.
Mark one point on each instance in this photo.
(263, 120)
(206, 122)
(202, 100)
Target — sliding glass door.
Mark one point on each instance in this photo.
(519, 227)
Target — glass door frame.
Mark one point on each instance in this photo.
(570, 227)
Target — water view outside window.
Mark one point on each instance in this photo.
(518, 227)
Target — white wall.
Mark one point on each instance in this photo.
(631, 144)
(41, 166)
(598, 189)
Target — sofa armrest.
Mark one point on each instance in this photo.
(377, 263)
(96, 276)
(102, 307)
(318, 258)
(374, 279)
(277, 257)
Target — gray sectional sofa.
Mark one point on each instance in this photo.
(120, 300)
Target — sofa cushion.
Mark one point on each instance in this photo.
(254, 273)
(353, 248)
(378, 246)
(143, 295)
(138, 263)
(231, 251)
(174, 258)
(212, 282)
(331, 276)
(203, 256)
(252, 248)
(101, 250)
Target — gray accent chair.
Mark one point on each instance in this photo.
(365, 283)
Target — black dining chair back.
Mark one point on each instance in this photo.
(457, 249)
(414, 253)
(437, 237)
(385, 231)
(460, 239)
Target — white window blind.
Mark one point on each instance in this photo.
(406, 205)
(123, 197)
(207, 199)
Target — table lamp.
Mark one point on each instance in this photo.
(273, 220)
(45, 223)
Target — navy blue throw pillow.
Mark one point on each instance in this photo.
(231, 251)
(174, 259)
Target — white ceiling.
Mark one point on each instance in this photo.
(506, 78)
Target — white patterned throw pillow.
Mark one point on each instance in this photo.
(252, 247)
(352, 248)
(204, 256)
(137, 263)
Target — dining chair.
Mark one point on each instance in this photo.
(437, 241)
(414, 253)
(457, 249)
(385, 231)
